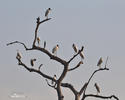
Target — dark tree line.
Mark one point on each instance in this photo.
(57, 83)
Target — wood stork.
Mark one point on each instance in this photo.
(44, 44)
(54, 78)
(18, 55)
(38, 40)
(54, 50)
(100, 62)
(97, 88)
(74, 47)
(47, 12)
(32, 62)
(82, 55)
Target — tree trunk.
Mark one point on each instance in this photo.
(77, 97)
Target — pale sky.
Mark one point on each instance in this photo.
(98, 25)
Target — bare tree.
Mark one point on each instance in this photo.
(57, 84)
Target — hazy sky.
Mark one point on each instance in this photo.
(98, 25)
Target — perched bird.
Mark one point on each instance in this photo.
(97, 88)
(82, 55)
(32, 62)
(54, 50)
(38, 20)
(54, 78)
(38, 40)
(47, 12)
(100, 62)
(75, 48)
(18, 55)
(44, 44)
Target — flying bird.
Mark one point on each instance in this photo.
(32, 62)
(38, 40)
(54, 50)
(100, 62)
(47, 12)
(82, 55)
(18, 55)
(44, 44)
(97, 88)
(75, 48)
(54, 78)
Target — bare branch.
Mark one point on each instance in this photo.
(37, 26)
(40, 66)
(67, 85)
(83, 88)
(53, 86)
(19, 43)
(102, 97)
(78, 65)
(76, 55)
(63, 62)
(101, 69)
(34, 70)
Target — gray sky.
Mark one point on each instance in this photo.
(96, 24)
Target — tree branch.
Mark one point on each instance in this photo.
(63, 62)
(78, 65)
(101, 69)
(76, 55)
(37, 26)
(19, 43)
(67, 85)
(83, 88)
(35, 70)
(53, 86)
(102, 97)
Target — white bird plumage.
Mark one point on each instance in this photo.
(18, 55)
(54, 50)
(54, 78)
(47, 12)
(75, 48)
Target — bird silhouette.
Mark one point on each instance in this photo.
(44, 44)
(75, 48)
(54, 78)
(97, 88)
(32, 62)
(82, 55)
(47, 12)
(54, 50)
(38, 40)
(100, 62)
(18, 55)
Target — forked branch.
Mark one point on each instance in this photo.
(37, 26)
(76, 55)
(34, 70)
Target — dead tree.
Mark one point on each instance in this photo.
(57, 84)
